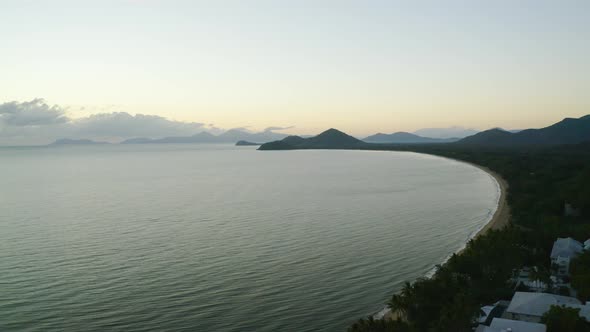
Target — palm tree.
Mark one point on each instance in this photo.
(400, 303)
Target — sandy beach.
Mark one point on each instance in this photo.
(500, 219)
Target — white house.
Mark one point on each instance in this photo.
(523, 278)
(504, 325)
(564, 249)
(530, 307)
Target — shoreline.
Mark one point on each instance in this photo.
(501, 217)
(499, 220)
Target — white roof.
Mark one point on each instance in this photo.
(587, 242)
(502, 325)
(486, 310)
(566, 247)
(584, 309)
(536, 304)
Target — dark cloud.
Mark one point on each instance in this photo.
(31, 113)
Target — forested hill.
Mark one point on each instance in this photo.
(405, 138)
(540, 182)
(329, 139)
(567, 131)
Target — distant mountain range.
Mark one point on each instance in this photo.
(450, 132)
(68, 141)
(230, 136)
(405, 138)
(567, 131)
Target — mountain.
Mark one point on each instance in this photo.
(450, 132)
(404, 138)
(69, 141)
(230, 136)
(494, 136)
(329, 139)
(567, 131)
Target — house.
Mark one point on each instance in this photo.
(564, 249)
(523, 277)
(587, 244)
(504, 325)
(489, 312)
(530, 307)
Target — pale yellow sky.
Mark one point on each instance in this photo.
(362, 67)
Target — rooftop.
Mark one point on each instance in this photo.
(566, 247)
(503, 325)
(536, 304)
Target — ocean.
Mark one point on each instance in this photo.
(222, 238)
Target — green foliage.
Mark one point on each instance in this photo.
(379, 325)
(580, 275)
(540, 182)
(563, 319)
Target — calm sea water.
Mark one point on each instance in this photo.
(221, 238)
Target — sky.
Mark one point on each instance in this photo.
(360, 66)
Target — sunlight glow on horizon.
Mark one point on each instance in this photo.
(362, 67)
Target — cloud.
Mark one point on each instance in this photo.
(124, 125)
(35, 122)
(246, 128)
(31, 113)
(278, 128)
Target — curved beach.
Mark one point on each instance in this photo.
(501, 217)
(499, 220)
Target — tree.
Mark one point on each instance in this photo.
(400, 303)
(580, 270)
(564, 319)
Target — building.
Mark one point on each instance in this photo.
(489, 312)
(505, 325)
(523, 277)
(564, 249)
(530, 307)
(587, 244)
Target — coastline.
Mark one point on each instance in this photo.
(499, 220)
(501, 217)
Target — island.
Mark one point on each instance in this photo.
(246, 143)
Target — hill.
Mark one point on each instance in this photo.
(404, 138)
(567, 131)
(329, 139)
(496, 137)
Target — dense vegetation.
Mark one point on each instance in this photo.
(540, 182)
(580, 273)
(561, 319)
